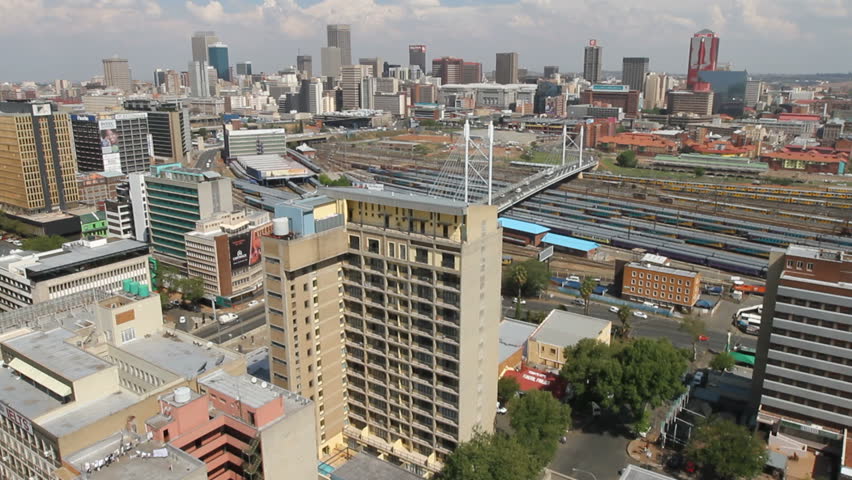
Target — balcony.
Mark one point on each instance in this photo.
(413, 458)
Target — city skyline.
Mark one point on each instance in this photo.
(759, 37)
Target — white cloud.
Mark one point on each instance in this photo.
(213, 12)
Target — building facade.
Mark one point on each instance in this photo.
(448, 69)
(200, 42)
(411, 284)
(117, 74)
(97, 187)
(217, 54)
(264, 141)
(633, 71)
(697, 103)
(593, 62)
(177, 198)
(168, 124)
(305, 65)
(802, 380)
(350, 83)
(224, 251)
(619, 96)
(37, 158)
(340, 36)
(661, 285)
(703, 55)
(199, 83)
(507, 68)
(417, 56)
(122, 138)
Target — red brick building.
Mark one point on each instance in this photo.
(628, 101)
(646, 144)
(810, 161)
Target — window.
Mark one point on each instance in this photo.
(354, 242)
(810, 267)
(373, 245)
(789, 264)
(403, 252)
(632, 274)
(391, 249)
(128, 334)
(799, 265)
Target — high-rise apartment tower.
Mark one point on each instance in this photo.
(593, 62)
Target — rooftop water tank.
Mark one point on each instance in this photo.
(125, 285)
(143, 290)
(134, 288)
(281, 226)
(183, 394)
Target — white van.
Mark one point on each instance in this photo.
(228, 318)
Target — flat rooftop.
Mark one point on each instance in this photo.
(275, 166)
(169, 463)
(565, 329)
(396, 199)
(79, 256)
(513, 334)
(363, 467)
(663, 269)
(632, 472)
(178, 356)
(28, 400)
(254, 395)
(50, 350)
(81, 415)
(521, 226)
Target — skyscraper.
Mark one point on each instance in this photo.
(305, 64)
(200, 42)
(244, 68)
(633, 72)
(330, 61)
(411, 284)
(117, 74)
(376, 64)
(655, 91)
(218, 53)
(448, 69)
(314, 95)
(37, 158)
(199, 85)
(550, 70)
(350, 83)
(159, 77)
(471, 72)
(703, 55)
(340, 36)
(417, 56)
(593, 62)
(801, 383)
(507, 68)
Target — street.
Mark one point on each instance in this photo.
(651, 327)
(215, 332)
(206, 155)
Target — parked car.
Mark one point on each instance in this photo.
(698, 378)
(515, 300)
(501, 410)
(639, 314)
(613, 309)
(579, 301)
(253, 303)
(182, 319)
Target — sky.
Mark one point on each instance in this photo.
(50, 39)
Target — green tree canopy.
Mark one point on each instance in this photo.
(192, 289)
(507, 387)
(586, 288)
(695, 327)
(722, 362)
(726, 450)
(699, 171)
(340, 181)
(539, 419)
(626, 159)
(490, 457)
(624, 314)
(537, 277)
(633, 375)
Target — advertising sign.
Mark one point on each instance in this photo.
(109, 136)
(16, 418)
(256, 243)
(239, 249)
(112, 162)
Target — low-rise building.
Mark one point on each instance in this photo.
(661, 285)
(513, 343)
(93, 224)
(225, 251)
(641, 143)
(808, 161)
(97, 187)
(546, 345)
(28, 278)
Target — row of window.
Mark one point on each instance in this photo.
(663, 278)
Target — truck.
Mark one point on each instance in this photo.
(713, 289)
(228, 318)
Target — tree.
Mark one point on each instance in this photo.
(538, 420)
(526, 156)
(624, 314)
(519, 277)
(202, 132)
(696, 328)
(652, 371)
(168, 277)
(490, 456)
(192, 289)
(537, 278)
(420, 149)
(594, 372)
(699, 171)
(626, 159)
(722, 362)
(428, 122)
(43, 244)
(164, 298)
(587, 287)
(726, 450)
(507, 387)
(340, 181)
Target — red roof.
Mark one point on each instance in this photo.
(806, 156)
(798, 116)
(532, 379)
(638, 139)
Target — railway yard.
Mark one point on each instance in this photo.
(724, 227)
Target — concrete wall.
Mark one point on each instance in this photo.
(288, 447)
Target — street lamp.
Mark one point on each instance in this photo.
(583, 471)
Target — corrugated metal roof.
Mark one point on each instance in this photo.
(521, 226)
(569, 242)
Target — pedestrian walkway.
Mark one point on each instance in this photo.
(645, 451)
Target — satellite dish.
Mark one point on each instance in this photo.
(253, 380)
(220, 360)
(202, 367)
(263, 385)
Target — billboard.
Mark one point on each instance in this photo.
(109, 136)
(256, 244)
(239, 249)
(112, 162)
